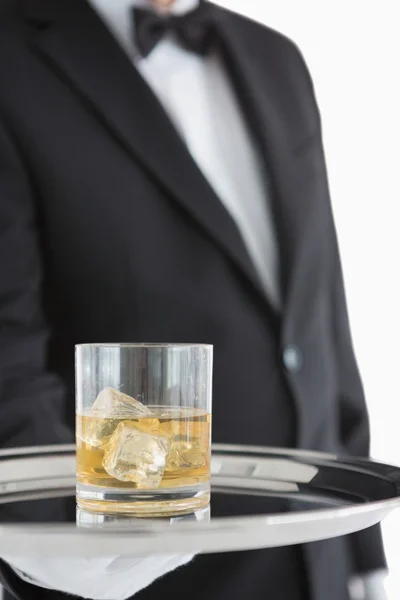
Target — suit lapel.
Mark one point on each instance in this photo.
(281, 126)
(78, 47)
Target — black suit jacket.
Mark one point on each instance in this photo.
(109, 232)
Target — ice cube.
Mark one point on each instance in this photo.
(187, 446)
(105, 415)
(150, 426)
(96, 431)
(184, 455)
(112, 403)
(170, 428)
(137, 456)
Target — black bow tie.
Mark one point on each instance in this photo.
(194, 30)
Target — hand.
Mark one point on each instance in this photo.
(110, 578)
(370, 586)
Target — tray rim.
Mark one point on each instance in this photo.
(239, 450)
(226, 526)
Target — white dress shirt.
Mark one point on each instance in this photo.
(197, 95)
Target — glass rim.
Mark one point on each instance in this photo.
(143, 345)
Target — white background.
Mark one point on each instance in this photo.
(352, 48)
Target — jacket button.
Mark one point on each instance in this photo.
(292, 358)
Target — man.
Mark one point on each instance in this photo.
(163, 180)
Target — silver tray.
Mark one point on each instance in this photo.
(261, 497)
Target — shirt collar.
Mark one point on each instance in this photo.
(117, 15)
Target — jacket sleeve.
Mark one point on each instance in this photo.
(367, 545)
(31, 397)
(354, 435)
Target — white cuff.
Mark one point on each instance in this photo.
(370, 586)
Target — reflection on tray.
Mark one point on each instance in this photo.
(99, 520)
(225, 502)
(45, 510)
